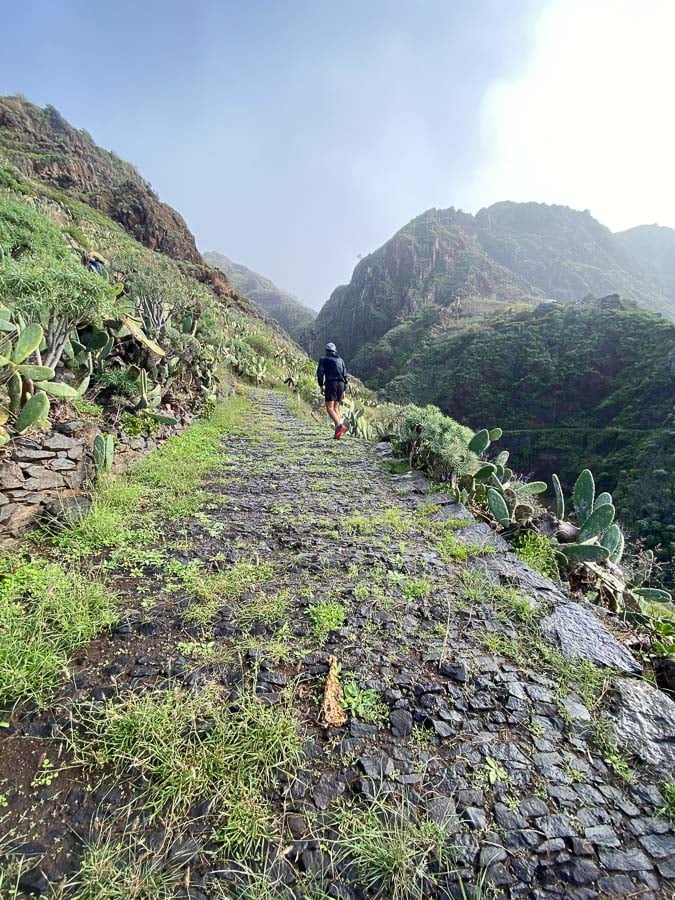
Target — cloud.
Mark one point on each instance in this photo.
(589, 122)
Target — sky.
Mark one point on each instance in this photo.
(295, 135)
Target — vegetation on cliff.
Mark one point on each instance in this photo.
(145, 336)
(451, 262)
(281, 306)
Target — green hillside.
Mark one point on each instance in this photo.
(281, 306)
(508, 253)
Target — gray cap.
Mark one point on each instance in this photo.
(331, 346)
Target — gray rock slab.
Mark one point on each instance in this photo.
(625, 861)
(61, 465)
(480, 533)
(43, 480)
(56, 441)
(11, 476)
(29, 454)
(506, 568)
(644, 720)
(579, 635)
(451, 510)
(413, 482)
(383, 449)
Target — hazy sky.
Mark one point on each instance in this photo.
(295, 135)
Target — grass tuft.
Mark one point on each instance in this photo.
(191, 747)
(326, 616)
(46, 612)
(117, 870)
(212, 590)
(397, 850)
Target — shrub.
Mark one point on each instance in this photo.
(434, 442)
(536, 550)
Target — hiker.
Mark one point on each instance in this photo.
(96, 262)
(331, 374)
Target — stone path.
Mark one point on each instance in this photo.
(464, 714)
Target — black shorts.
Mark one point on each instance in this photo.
(334, 390)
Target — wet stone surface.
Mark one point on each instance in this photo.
(480, 743)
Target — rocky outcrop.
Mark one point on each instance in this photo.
(644, 720)
(42, 144)
(580, 635)
(447, 260)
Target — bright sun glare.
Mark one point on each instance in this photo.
(589, 122)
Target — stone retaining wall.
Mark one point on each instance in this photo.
(48, 468)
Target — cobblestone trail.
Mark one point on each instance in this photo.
(468, 719)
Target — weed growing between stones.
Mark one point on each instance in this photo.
(364, 703)
(12, 868)
(398, 851)
(416, 589)
(326, 616)
(191, 747)
(246, 824)
(536, 550)
(263, 609)
(118, 869)
(46, 612)
(669, 796)
(209, 591)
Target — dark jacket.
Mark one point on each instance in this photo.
(331, 368)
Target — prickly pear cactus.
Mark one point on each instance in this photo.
(584, 495)
(597, 523)
(104, 452)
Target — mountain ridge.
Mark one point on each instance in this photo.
(282, 306)
(509, 251)
(43, 145)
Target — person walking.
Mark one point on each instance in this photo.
(331, 374)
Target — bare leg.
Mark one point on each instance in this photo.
(332, 412)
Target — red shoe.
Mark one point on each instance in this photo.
(339, 431)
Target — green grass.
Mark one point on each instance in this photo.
(397, 851)
(119, 870)
(166, 484)
(245, 824)
(46, 612)
(326, 616)
(529, 649)
(263, 609)
(190, 747)
(392, 520)
(536, 550)
(449, 548)
(416, 588)
(209, 591)
(669, 796)
(364, 703)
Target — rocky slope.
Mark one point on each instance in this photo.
(281, 306)
(42, 144)
(491, 739)
(654, 248)
(448, 260)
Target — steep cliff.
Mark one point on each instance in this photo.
(42, 144)
(281, 306)
(507, 253)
